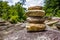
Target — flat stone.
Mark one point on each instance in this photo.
(35, 27)
(35, 13)
(35, 8)
(3, 28)
(2, 24)
(52, 22)
(35, 20)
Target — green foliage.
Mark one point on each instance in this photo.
(14, 19)
(58, 13)
(14, 13)
(52, 7)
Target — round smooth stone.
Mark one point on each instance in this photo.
(35, 13)
(35, 8)
(35, 27)
(35, 20)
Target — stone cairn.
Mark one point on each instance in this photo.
(35, 20)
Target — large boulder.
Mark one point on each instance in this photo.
(35, 20)
(35, 13)
(35, 27)
(35, 8)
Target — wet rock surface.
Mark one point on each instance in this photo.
(24, 35)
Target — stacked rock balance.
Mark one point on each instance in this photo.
(35, 20)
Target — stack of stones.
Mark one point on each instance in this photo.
(35, 20)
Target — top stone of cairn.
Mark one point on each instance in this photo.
(35, 8)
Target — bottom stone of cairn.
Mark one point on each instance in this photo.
(35, 27)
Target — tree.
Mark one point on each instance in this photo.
(14, 13)
(52, 7)
(5, 8)
(21, 11)
(1, 8)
